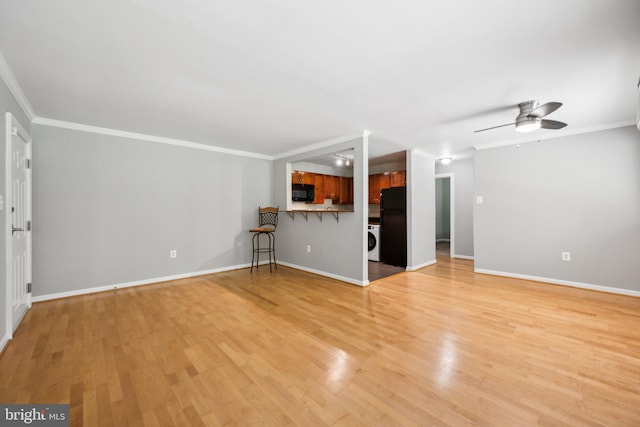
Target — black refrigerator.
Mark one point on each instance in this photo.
(393, 226)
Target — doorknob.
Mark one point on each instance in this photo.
(14, 229)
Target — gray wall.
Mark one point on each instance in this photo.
(7, 104)
(578, 194)
(338, 249)
(107, 209)
(443, 209)
(463, 182)
(421, 211)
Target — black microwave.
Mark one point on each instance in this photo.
(303, 192)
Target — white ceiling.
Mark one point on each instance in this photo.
(271, 77)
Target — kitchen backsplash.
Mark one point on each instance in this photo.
(327, 205)
(374, 210)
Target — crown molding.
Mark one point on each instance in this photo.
(561, 134)
(323, 144)
(12, 84)
(423, 153)
(143, 137)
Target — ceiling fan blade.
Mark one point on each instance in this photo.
(551, 124)
(545, 109)
(494, 127)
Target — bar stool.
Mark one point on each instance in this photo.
(267, 223)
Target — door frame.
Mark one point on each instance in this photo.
(14, 128)
(452, 233)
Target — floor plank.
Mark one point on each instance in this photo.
(438, 346)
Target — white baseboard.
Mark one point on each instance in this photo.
(589, 286)
(464, 257)
(5, 339)
(419, 266)
(324, 273)
(138, 283)
(184, 276)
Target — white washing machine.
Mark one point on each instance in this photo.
(374, 242)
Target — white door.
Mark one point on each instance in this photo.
(18, 222)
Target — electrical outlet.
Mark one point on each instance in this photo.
(308, 249)
(173, 253)
(566, 256)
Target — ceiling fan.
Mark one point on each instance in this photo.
(531, 117)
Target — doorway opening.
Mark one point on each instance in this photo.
(445, 218)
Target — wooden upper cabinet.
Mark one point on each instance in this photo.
(380, 181)
(337, 188)
(372, 190)
(318, 182)
(332, 188)
(298, 177)
(346, 190)
(384, 180)
(398, 179)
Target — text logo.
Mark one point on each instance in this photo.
(34, 415)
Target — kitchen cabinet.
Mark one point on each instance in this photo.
(398, 179)
(346, 190)
(332, 188)
(372, 194)
(381, 181)
(384, 181)
(377, 182)
(337, 188)
(298, 177)
(318, 182)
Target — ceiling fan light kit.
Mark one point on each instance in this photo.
(528, 124)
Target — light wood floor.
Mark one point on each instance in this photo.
(440, 346)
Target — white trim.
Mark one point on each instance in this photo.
(143, 137)
(556, 134)
(561, 282)
(14, 128)
(185, 276)
(423, 153)
(12, 84)
(22, 132)
(419, 266)
(464, 257)
(324, 273)
(3, 342)
(8, 321)
(139, 282)
(323, 144)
